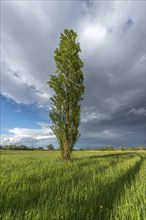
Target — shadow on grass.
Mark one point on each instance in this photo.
(109, 194)
(113, 191)
(102, 203)
(82, 162)
(115, 155)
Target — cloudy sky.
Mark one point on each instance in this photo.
(112, 40)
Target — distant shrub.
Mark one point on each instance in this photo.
(121, 148)
(40, 148)
(108, 148)
(50, 147)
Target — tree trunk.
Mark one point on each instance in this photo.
(66, 152)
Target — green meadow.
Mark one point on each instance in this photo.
(38, 185)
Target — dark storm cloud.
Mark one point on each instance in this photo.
(112, 39)
(30, 33)
(115, 81)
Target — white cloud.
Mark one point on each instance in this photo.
(32, 133)
(93, 116)
(31, 137)
(18, 110)
(93, 33)
(139, 111)
(21, 90)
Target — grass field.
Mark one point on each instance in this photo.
(37, 185)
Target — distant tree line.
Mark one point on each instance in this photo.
(24, 147)
(112, 148)
(50, 147)
(19, 147)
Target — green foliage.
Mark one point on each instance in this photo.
(50, 147)
(40, 148)
(67, 84)
(109, 148)
(96, 185)
(121, 148)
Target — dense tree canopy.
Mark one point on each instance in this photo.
(67, 84)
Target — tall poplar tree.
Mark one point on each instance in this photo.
(67, 84)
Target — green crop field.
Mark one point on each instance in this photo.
(38, 185)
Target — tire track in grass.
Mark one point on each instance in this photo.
(84, 198)
(29, 190)
(91, 196)
(132, 205)
(91, 160)
(76, 177)
(114, 191)
(70, 176)
(112, 155)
